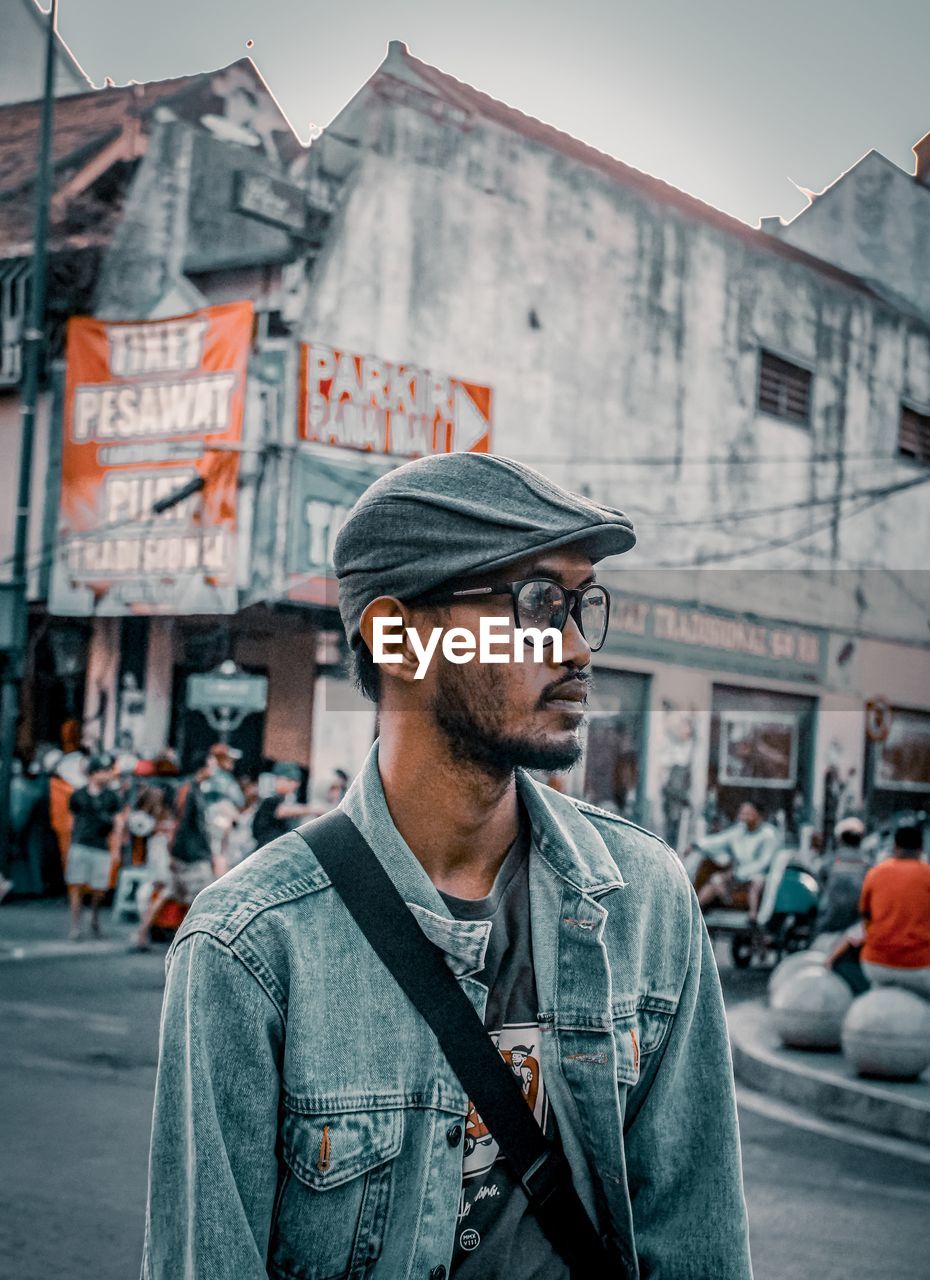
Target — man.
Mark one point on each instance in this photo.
(838, 908)
(95, 809)
(745, 851)
(306, 1123)
(279, 813)
(895, 908)
(190, 850)
(223, 784)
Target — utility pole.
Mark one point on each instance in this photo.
(33, 351)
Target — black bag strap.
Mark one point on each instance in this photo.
(421, 971)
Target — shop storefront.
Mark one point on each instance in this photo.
(695, 711)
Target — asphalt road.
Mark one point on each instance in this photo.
(77, 1056)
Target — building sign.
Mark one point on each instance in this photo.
(271, 199)
(718, 641)
(324, 487)
(148, 409)
(364, 402)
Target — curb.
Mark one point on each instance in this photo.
(761, 1063)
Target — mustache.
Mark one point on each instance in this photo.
(576, 679)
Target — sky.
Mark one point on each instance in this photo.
(732, 101)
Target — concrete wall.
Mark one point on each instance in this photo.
(875, 222)
(621, 337)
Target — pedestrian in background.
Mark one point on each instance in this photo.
(895, 908)
(744, 852)
(190, 861)
(279, 813)
(96, 809)
(838, 909)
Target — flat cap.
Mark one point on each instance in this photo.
(457, 514)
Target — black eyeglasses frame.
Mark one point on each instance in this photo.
(571, 600)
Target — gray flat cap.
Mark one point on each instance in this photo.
(455, 515)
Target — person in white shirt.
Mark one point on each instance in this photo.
(744, 852)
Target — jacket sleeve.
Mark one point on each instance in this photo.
(682, 1144)
(212, 1168)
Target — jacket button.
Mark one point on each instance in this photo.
(438, 1273)
(454, 1136)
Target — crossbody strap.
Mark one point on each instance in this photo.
(421, 971)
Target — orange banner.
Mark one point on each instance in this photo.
(364, 402)
(149, 407)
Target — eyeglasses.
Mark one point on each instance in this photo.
(542, 603)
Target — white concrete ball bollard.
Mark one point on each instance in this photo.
(795, 963)
(825, 942)
(809, 1006)
(886, 1033)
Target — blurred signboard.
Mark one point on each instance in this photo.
(303, 211)
(710, 638)
(363, 402)
(324, 487)
(237, 692)
(271, 199)
(146, 405)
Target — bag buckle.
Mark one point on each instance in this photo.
(541, 1179)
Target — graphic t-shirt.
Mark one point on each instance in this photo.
(497, 1235)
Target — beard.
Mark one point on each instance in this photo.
(470, 706)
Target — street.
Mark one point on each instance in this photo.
(77, 1059)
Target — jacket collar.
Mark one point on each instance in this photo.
(567, 840)
(562, 835)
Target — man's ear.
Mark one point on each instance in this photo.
(383, 627)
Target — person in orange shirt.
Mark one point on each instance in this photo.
(895, 907)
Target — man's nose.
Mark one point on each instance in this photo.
(576, 652)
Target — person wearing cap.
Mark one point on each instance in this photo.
(305, 1122)
(96, 810)
(223, 784)
(838, 908)
(280, 812)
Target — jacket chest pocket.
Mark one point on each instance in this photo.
(333, 1193)
(638, 1034)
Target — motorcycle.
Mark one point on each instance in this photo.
(786, 918)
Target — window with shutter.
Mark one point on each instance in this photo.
(784, 389)
(914, 435)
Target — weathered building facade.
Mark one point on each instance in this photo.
(472, 278)
(740, 397)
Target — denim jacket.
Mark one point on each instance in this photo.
(307, 1127)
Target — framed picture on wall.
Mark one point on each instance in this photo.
(758, 748)
(902, 761)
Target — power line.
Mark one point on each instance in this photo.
(709, 460)
(772, 544)
(808, 504)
